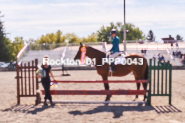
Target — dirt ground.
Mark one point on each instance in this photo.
(27, 112)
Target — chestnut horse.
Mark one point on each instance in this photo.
(140, 71)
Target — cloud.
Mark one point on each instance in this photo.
(31, 19)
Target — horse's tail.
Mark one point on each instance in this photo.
(146, 70)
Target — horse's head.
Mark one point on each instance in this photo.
(89, 52)
(78, 55)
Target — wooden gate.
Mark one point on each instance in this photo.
(27, 82)
(160, 80)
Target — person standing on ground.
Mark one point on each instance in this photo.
(46, 81)
(171, 44)
(177, 45)
(154, 57)
(141, 51)
(145, 52)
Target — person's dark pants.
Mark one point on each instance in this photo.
(46, 86)
(181, 55)
(113, 67)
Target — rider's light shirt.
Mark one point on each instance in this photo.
(115, 43)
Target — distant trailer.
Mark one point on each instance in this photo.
(169, 41)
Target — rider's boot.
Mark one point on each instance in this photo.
(113, 67)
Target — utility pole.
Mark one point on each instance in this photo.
(124, 32)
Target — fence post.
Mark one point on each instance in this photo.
(162, 68)
(154, 69)
(18, 85)
(170, 83)
(158, 67)
(150, 84)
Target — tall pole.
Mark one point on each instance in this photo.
(124, 32)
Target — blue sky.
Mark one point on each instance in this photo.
(33, 18)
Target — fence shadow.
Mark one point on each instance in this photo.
(166, 109)
(32, 109)
(116, 110)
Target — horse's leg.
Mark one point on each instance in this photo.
(145, 88)
(138, 88)
(106, 85)
(145, 84)
(137, 84)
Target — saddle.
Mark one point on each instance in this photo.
(112, 67)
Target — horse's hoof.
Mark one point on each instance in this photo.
(108, 98)
(145, 98)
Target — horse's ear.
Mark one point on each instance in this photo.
(81, 44)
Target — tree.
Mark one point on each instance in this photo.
(5, 54)
(8, 49)
(150, 36)
(52, 38)
(31, 41)
(90, 38)
(134, 32)
(72, 38)
(104, 33)
(59, 37)
(178, 37)
(16, 46)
